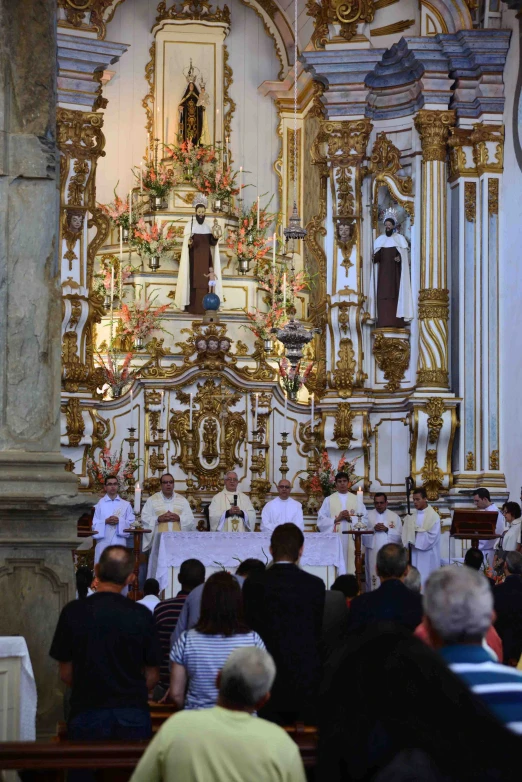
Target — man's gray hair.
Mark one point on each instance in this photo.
(459, 604)
(514, 563)
(413, 579)
(247, 676)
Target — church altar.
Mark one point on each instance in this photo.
(322, 555)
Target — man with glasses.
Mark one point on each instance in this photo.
(223, 510)
(165, 511)
(112, 515)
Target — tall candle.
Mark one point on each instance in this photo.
(274, 269)
(137, 499)
(312, 416)
(141, 177)
(256, 410)
(360, 502)
(284, 291)
(258, 213)
(130, 211)
(161, 416)
(131, 410)
(286, 412)
(121, 245)
(167, 132)
(240, 181)
(148, 149)
(112, 284)
(190, 413)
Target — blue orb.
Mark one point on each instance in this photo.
(211, 301)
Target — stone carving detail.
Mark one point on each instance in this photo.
(434, 130)
(343, 428)
(342, 376)
(470, 201)
(431, 474)
(393, 359)
(434, 408)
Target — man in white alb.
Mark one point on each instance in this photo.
(111, 516)
(165, 511)
(335, 516)
(387, 528)
(482, 500)
(421, 530)
(282, 510)
(223, 511)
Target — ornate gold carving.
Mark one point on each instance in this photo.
(391, 29)
(347, 13)
(317, 109)
(470, 201)
(344, 316)
(210, 440)
(80, 136)
(229, 106)
(433, 377)
(458, 139)
(241, 348)
(319, 13)
(480, 137)
(77, 182)
(431, 474)
(434, 303)
(148, 100)
(494, 461)
(493, 196)
(470, 460)
(342, 142)
(198, 10)
(73, 371)
(293, 168)
(72, 229)
(393, 358)
(342, 376)
(434, 408)
(75, 426)
(343, 428)
(76, 11)
(433, 128)
(262, 370)
(385, 163)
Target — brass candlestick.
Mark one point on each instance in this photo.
(283, 469)
(188, 468)
(138, 531)
(160, 442)
(131, 455)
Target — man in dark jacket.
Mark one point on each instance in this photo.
(508, 608)
(285, 606)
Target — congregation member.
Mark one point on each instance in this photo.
(335, 618)
(412, 579)
(348, 585)
(387, 528)
(151, 590)
(223, 507)
(166, 614)
(458, 608)
(282, 509)
(112, 516)
(199, 654)
(421, 531)
(285, 606)
(482, 501)
(165, 511)
(508, 608)
(109, 654)
(392, 601)
(511, 540)
(249, 567)
(84, 579)
(335, 515)
(224, 743)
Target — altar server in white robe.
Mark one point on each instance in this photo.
(511, 540)
(421, 529)
(335, 512)
(222, 508)
(387, 528)
(165, 511)
(482, 500)
(111, 516)
(282, 510)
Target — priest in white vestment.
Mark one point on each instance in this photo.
(334, 516)
(421, 530)
(165, 511)
(387, 528)
(112, 515)
(511, 541)
(282, 510)
(223, 508)
(482, 500)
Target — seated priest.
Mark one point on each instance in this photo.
(335, 516)
(282, 510)
(231, 510)
(112, 516)
(165, 511)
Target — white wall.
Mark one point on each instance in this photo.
(252, 57)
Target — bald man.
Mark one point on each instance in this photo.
(282, 510)
(231, 504)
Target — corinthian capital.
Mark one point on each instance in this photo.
(433, 128)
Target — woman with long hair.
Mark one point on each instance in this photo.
(199, 654)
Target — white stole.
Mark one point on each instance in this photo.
(409, 524)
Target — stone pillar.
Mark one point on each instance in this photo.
(38, 498)
(432, 368)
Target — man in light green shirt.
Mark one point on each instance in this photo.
(226, 743)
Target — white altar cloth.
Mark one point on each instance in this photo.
(214, 549)
(18, 691)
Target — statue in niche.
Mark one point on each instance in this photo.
(192, 122)
(391, 302)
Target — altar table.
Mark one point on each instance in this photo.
(322, 555)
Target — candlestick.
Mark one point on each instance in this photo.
(286, 412)
(360, 502)
(131, 410)
(284, 291)
(240, 181)
(130, 212)
(148, 148)
(312, 416)
(112, 284)
(256, 410)
(167, 132)
(121, 245)
(190, 413)
(162, 407)
(137, 499)
(258, 213)
(283, 469)
(141, 177)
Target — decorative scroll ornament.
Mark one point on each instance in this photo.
(73, 371)
(393, 359)
(470, 201)
(434, 130)
(431, 474)
(494, 461)
(75, 426)
(346, 13)
(470, 460)
(72, 230)
(342, 376)
(434, 408)
(76, 12)
(198, 10)
(343, 428)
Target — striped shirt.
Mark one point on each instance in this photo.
(166, 615)
(499, 686)
(203, 656)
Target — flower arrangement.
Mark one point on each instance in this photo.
(153, 239)
(113, 466)
(158, 180)
(250, 239)
(102, 279)
(323, 480)
(114, 375)
(261, 323)
(117, 211)
(190, 160)
(140, 320)
(293, 378)
(217, 183)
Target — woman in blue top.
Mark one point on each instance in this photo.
(199, 654)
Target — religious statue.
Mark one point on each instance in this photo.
(192, 122)
(199, 254)
(391, 302)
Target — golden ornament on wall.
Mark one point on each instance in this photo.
(470, 461)
(470, 201)
(494, 463)
(434, 128)
(348, 14)
(431, 474)
(434, 408)
(343, 427)
(342, 376)
(75, 425)
(393, 359)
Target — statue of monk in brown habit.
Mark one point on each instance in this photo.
(391, 302)
(199, 253)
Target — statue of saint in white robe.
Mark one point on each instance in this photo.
(182, 295)
(421, 529)
(221, 504)
(280, 511)
(395, 246)
(156, 506)
(328, 512)
(373, 543)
